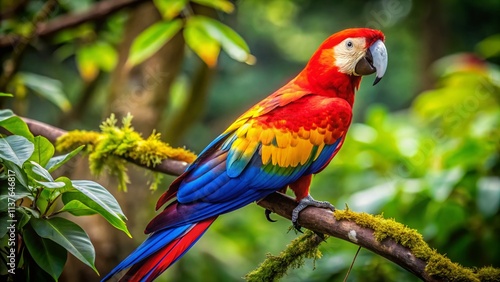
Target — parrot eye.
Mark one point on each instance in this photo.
(349, 44)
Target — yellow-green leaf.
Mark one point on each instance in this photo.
(86, 63)
(151, 40)
(230, 40)
(204, 45)
(169, 9)
(222, 5)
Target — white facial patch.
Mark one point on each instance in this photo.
(347, 54)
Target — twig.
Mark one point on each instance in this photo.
(12, 64)
(97, 11)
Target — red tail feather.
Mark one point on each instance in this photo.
(153, 266)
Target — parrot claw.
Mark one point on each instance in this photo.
(268, 216)
(304, 203)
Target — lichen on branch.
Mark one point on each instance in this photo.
(437, 265)
(111, 148)
(275, 267)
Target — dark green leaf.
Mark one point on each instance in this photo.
(50, 256)
(56, 162)
(14, 124)
(151, 40)
(44, 150)
(68, 235)
(16, 149)
(48, 88)
(19, 174)
(99, 199)
(4, 223)
(169, 9)
(10, 195)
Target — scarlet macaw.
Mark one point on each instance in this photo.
(280, 142)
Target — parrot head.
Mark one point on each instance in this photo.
(346, 56)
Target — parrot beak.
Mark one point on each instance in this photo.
(375, 60)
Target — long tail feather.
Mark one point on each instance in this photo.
(158, 252)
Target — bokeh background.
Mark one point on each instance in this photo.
(424, 148)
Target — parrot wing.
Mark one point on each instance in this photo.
(266, 152)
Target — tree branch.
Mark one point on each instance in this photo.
(324, 221)
(97, 11)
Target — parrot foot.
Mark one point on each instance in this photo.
(268, 216)
(304, 203)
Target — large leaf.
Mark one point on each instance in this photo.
(204, 45)
(50, 256)
(169, 9)
(16, 149)
(14, 124)
(151, 40)
(44, 150)
(67, 234)
(56, 162)
(48, 88)
(38, 172)
(99, 199)
(230, 40)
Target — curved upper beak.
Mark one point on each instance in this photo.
(375, 60)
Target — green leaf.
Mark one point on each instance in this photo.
(105, 55)
(67, 234)
(198, 39)
(38, 172)
(87, 65)
(14, 124)
(16, 149)
(99, 199)
(230, 40)
(77, 208)
(222, 5)
(2, 94)
(51, 184)
(44, 150)
(7, 195)
(4, 223)
(488, 198)
(19, 175)
(56, 162)
(151, 40)
(169, 9)
(48, 88)
(50, 256)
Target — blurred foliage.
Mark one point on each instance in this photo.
(426, 156)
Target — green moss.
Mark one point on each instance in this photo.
(275, 267)
(110, 149)
(438, 265)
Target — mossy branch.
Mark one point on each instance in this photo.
(385, 237)
(275, 267)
